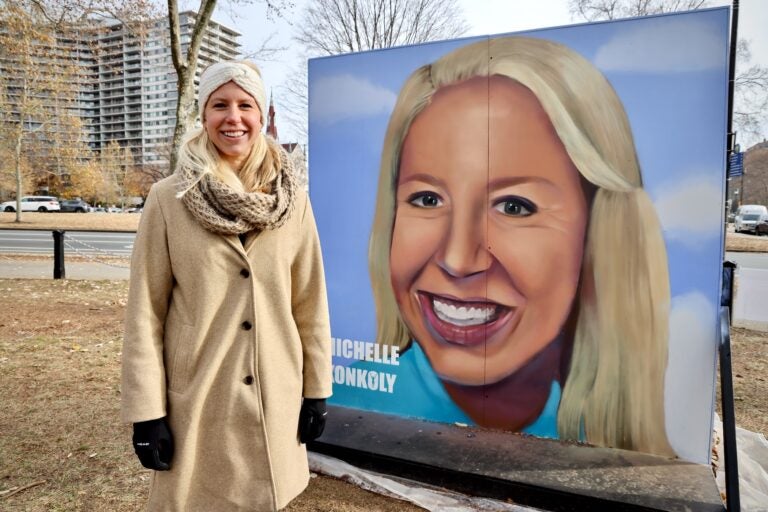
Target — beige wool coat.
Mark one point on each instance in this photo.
(225, 340)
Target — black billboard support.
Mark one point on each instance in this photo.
(726, 299)
(732, 497)
(731, 141)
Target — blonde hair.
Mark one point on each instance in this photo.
(615, 386)
(258, 171)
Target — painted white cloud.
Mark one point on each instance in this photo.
(343, 97)
(667, 45)
(689, 209)
(690, 369)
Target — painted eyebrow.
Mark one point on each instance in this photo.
(422, 176)
(500, 183)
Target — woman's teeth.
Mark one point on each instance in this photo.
(463, 316)
(239, 133)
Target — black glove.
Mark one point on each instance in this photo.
(153, 443)
(311, 419)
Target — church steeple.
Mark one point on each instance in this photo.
(271, 126)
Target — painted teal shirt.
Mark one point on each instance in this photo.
(418, 392)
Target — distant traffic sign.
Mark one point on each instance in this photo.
(737, 165)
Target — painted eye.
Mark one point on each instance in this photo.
(515, 206)
(425, 200)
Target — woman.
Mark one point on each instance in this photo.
(227, 322)
(513, 241)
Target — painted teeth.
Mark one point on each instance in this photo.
(462, 316)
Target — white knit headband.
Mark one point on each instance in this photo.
(219, 74)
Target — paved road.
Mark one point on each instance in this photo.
(757, 260)
(76, 242)
(96, 243)
(93, 246)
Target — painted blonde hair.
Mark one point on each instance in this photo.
(615, 386)
(258, 171)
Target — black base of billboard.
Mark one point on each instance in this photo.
(541, 473)
(733, 498)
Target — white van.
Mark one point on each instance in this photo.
(33, 204)
(747, 217)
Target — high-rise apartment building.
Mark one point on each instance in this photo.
(133, 95)
(125, 83)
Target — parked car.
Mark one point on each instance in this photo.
(75, 205)
(33, 204)
(761, 228)
(748, 216)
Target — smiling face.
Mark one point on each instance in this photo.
(489, 230)
(232, 120)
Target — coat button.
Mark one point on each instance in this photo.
(247, 325)
(248, 380)
(245, 272)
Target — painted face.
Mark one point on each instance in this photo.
(233, 122)
(489, 230)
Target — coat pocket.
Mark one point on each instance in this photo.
(183, 346)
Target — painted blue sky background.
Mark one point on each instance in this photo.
(671, 74)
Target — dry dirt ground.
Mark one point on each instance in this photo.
(749, 354)
(94, 221)
(62, 447)
(60, 345)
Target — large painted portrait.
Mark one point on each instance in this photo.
(524, 231)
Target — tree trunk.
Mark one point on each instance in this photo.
(17, 157)
(185, 71)
(185, 116)
(17, 150)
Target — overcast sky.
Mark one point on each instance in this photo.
(483, 16)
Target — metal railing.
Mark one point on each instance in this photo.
(63, 242)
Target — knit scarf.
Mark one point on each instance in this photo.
(223, 210)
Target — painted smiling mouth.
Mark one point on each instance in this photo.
(464, 315)
(463, 322)
(234, 133)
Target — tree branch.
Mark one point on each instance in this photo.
(179, 61)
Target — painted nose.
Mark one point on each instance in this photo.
(465, 251)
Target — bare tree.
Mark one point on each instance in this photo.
(336, 26)
(185, 64)
(750, 94)
(40, 82)
(116, 166)
(141, 178)
(330, 27)
(594, 10)
(293, 95)
(751, 81)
